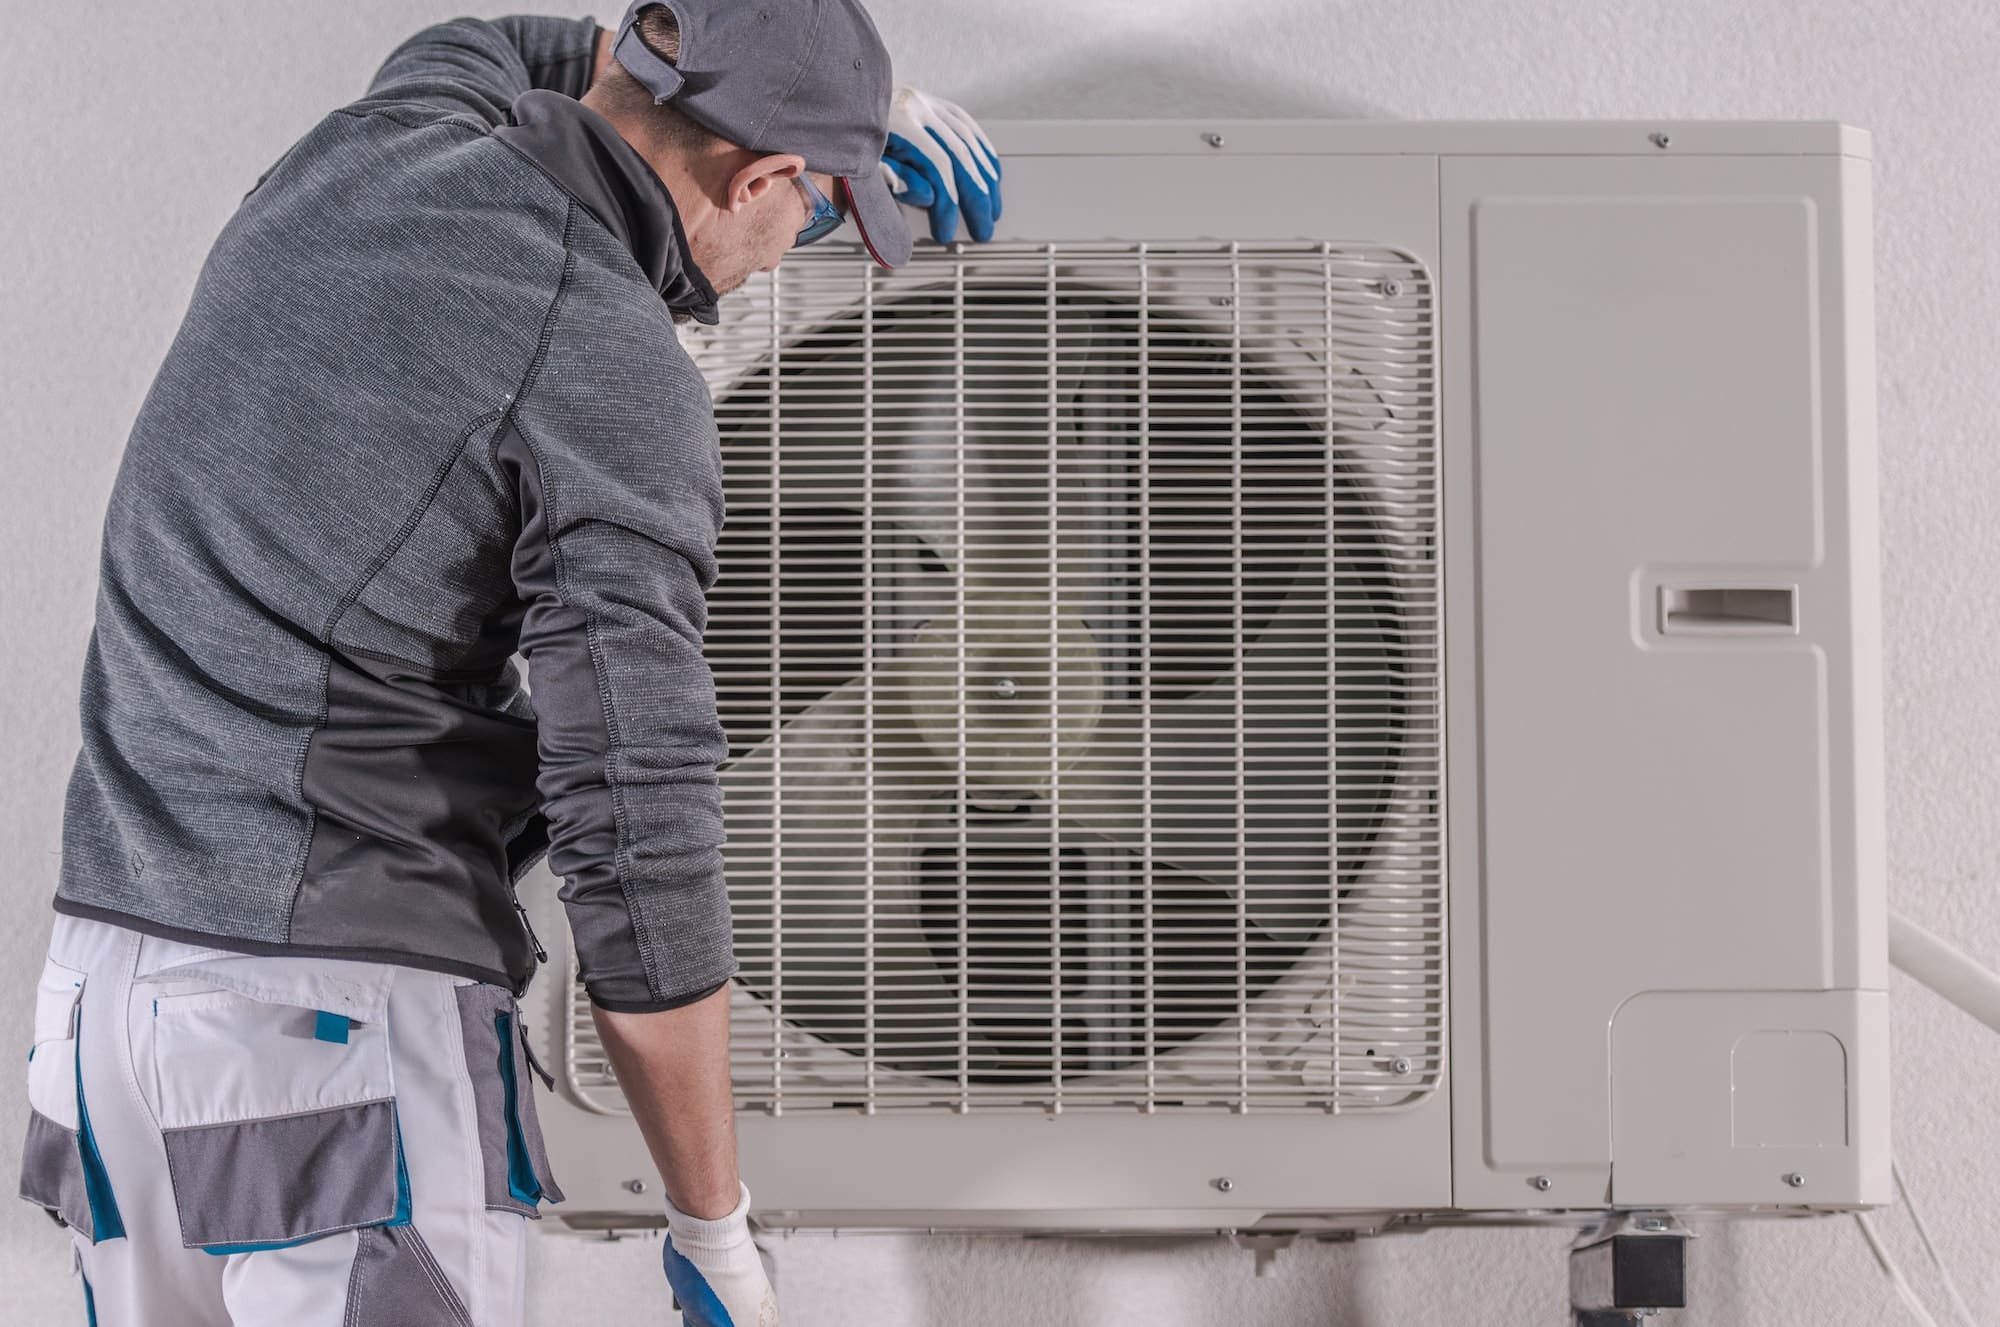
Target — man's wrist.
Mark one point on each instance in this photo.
(712, 1232)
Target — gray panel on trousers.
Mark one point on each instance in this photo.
(477, 1006)
(397, 1282)
(286, 1178)
(52, 1172)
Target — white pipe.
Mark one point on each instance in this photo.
(1961, 980)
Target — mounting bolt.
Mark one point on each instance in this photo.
(1004, 688)
(1213, 140)
(1400, 1064)
(1542, 1182)
(1796, 1180)
(1390, 286)
(1659, 140)
(1224, 1183)
(635, 1186)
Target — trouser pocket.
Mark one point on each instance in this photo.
(518, 1177)
(60, 1166)
(270, 1080)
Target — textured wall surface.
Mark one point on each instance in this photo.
(139, 129)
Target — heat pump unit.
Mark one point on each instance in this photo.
(1327, 678)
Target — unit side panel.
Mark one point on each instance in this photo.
(1650, 623)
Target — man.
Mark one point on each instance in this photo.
(428, 407)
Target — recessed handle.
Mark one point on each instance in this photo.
(1729, 609)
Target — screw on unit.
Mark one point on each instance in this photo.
(1653, 1223)
(1224, 1183)
(635, 1186)
(1400, 1064)
(1659, 140)
(1796, 1180)
(1004, 688)
(1390, 287)
(1542, 1182)
(1213, 140)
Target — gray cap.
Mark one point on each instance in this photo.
(809, 77)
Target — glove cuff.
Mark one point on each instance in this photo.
(723, 1232)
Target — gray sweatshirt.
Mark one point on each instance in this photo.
(426, 408)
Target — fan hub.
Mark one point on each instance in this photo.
(1014, 736)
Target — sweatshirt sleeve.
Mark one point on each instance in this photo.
(478, 66)
(612, 451)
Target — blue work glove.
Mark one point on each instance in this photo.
(937, 158)
(714, 1269)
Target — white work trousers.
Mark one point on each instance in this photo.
(248, 1140)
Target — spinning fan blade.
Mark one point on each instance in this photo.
(958, 440)
(1176, 806)
(1192, 778)
(819, 858)
(819, 765)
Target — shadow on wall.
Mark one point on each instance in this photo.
(1719, 1266)
(1056, 1281)
(1131, 85)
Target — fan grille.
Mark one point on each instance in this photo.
(1077, 641)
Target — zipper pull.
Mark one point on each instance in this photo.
(521, 1026)
(541, 954)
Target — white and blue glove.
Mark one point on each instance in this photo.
(937, 158)
(713, 1266)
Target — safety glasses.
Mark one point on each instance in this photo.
(825, 218)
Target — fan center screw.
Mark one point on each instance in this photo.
(1004, 688)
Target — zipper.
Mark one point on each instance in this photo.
(541, 954)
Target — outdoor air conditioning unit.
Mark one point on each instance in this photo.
(1325, 679)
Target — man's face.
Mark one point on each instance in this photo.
(756, 237)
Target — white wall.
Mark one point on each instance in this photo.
(136, 130)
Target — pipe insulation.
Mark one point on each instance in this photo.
(1938, 965)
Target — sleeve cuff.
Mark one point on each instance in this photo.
(656, 1006)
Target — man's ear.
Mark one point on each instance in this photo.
(768, 172)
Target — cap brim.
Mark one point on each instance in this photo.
(879, 217)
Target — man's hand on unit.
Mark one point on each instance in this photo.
(937, 158)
